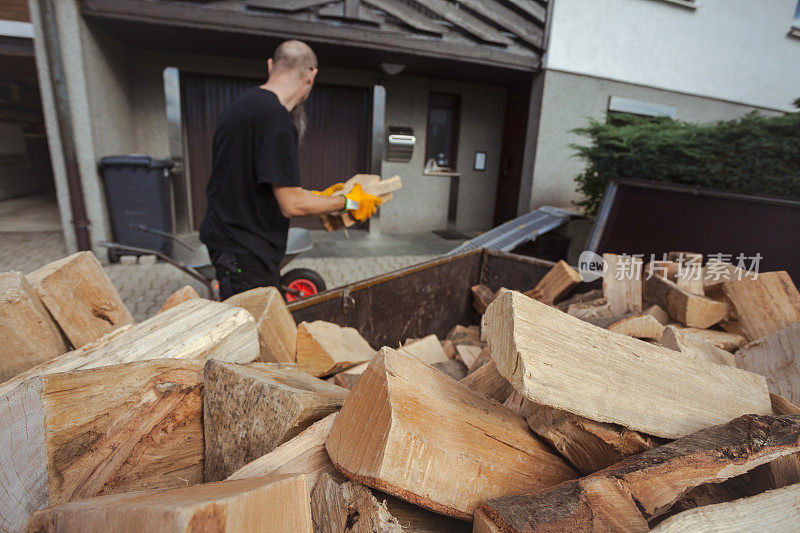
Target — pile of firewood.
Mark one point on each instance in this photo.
(661, 401)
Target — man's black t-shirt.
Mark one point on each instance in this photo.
(255, 146)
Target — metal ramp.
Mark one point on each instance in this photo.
(511, 234)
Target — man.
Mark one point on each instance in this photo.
(255, 184)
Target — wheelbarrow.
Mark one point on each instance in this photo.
(196, 263)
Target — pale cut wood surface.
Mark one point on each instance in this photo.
(488, 381)
(249, 410)
(549, 356)
(721, 339)
(105, 430)
(277, 332)
(348, 378)
(591, 310)
(324, 348)
(434, 442)
(687, 308)
(776, 511)
(195, 329)
(28, 335)
(674, 339)
(659, 314)
(764, 305)
(468, 354)
(275, 504)
(557, 282)
(776, 357)
(186, 292)
(343, 507)
(622, 284)
(427, 349)
(640, 326)
(304, 454)
(624, 496)
(80, 297)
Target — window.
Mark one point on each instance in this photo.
(444, 111)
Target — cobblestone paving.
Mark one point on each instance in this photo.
(145, 287)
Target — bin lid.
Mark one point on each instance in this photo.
(135, 160)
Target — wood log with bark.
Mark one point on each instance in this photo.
(591, 310)
(196, 329)
(776, 357)
(396, 409)
(324, 348)
(277, 332)
(343, 507)
(28, 334)
(275, 504)
(687, 308)
(80, 297)
(548, 356)
(304, 454)
(69, 436)
(764, 305)
(729, 342)
(624, 496)
(775, 511)
(249, 410)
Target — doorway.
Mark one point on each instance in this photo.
(335, 147)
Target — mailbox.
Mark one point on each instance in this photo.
(400, 144)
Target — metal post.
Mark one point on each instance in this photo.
(55, 67)
(181, 186)
(376, 144)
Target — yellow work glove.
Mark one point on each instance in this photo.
(330, 190)
(366, 204)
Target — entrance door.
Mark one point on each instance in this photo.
(336, 145)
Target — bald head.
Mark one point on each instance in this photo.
(293, 57)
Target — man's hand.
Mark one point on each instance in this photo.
(367, 203)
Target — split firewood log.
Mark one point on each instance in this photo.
(622, 284)
(624, 496)
(777, 357)
(28, 334)
(396, 408)
(549, 356)
(196, 329)
(186, 292)
(277, 332)
(687, 308)
(324, 348)
(279, 504)
(558, 281)
(249, 410)
(80, 297)
(675, 339)
(68, 436)
(764, 305)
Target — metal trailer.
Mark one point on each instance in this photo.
(430, 297)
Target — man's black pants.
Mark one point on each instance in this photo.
(238, 273)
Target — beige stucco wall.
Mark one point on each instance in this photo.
(422, 205)
(568, 100)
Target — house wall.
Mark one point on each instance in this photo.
(569, 100)
(87, 90)
(422, 204)
(737, 50)
(14, 180)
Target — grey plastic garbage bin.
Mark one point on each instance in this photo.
(137, 192)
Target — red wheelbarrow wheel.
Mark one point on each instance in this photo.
(301, 282)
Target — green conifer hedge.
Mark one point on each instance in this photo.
(755, 154)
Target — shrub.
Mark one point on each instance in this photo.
(755, 154)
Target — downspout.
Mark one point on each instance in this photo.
(55, 67)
